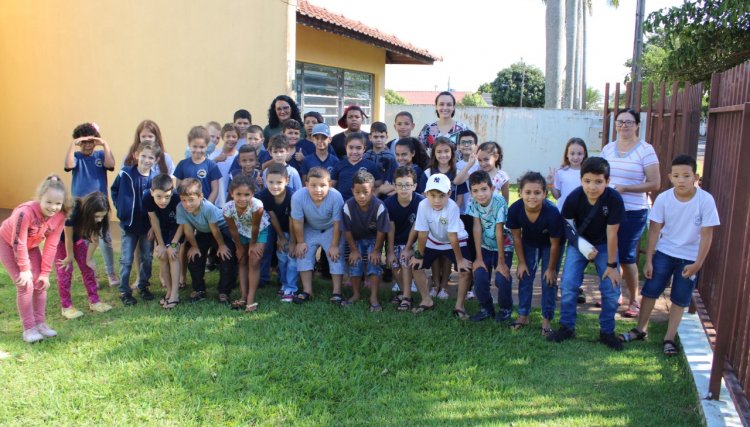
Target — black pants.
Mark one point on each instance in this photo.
(227, 268)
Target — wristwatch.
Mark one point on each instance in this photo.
(173, 245)
(612, 264)
(417, 254)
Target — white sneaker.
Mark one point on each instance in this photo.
(443, 294)
(413, 286)
(71, 313)
(45, 330)
(32, 335)
(100, 307)
(433, 292)
(395, 288)
(470, 295)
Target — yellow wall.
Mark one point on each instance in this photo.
(179, 63)
(319, 47)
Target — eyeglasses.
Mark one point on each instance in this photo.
(624, 123)
(404, 186)
(466, 142)
(284, 108)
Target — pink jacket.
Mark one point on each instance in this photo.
(27, 228)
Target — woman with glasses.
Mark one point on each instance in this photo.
(634, 171)
(282, 108)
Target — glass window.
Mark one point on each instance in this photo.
(328, 90)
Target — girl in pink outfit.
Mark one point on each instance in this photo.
(21, 236)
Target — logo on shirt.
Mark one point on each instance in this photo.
(373, 226)
(202, 173)
(605, 211)
(362, 169)
(412, 218)
(172, 215)
(698, 220)
(443, 220)
(99, 163)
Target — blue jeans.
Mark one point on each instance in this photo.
(288, 275)
(128, 244)
(526, 285)
(482, 283)
(265, 262)
(105, 244)
(572, 278)
(365, 246)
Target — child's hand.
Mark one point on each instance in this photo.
(690, 271)
(159, 251)
(464, 265)
(300, 250)
(648, 269)
(65, 262)
(24, 279)
(259, 181)
(98, 142)
(172, 253)
(333, 253)
(416, 264)
(551, 175)
(224, 253)
(614, 276)
(391, 259)
(241, 252)
(473, 156)
(503, 269)
(151, 235)
(42, 283)
(374, 258)
(405, 256)
(550, 276)
(221, 157)
(281, 243)
(193, 252)
(256, 250)
(522, 270)
(78, 141)
(299, 156)
(479, 263)
(354, 256)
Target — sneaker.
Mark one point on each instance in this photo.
(127, 299)
(146, 295)
(481, 315)
(71, 313)
(610, 340)
(581, 297)
(395, 288)
(32, 335)
(503, 316)
(46, 331)
(470, 295)
(197, 296)
(287, 298)
(100, 307)
(280, 292)
(413, 286)
(562, 334)
(113, 280)
(442, 294)
(433, 292)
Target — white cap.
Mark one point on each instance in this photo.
(438, 182)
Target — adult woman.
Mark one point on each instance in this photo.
(282, 108)
(445, 109)
(634, 171)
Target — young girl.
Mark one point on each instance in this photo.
(568, 177)
(409, 152)
(537, 228)
(443, 160)
(86, 224)
(224, 159)
(148, 131)
(248, 225)
(351, 121)
(21, 236)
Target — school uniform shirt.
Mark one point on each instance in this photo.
(460, 165)
(489, 216)
(206, 172)
(319, 217)
(385, 161)
(455, 189)
(167, 217)
(312, 160)
(536, 234)
(681, 233)
(338, 142)
(343, 173)
(630, 169)
(208, 214)
(402, 217)
(366, 224)
(89, 174)
(566, 180)
(294, 180)
(244, 222)
(611, 212)
(281, 210)
(224, 167)
(439, 224)
(70, 221)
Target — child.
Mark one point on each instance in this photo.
(316, 218)
(87, 223)
(278, 146)
(247, 223)
(127, 194)
(161, 205)
(214, 133)
(441, 234)
(292, 130)
(199, 166)
(323, 156)
(593, 213)
(89, 167)
(537, 229)
(383, 158)
(679, 238)
(489, 212)
(402, 211)
(148, 131)
(21, 236)
(365, 226)
(403, 123)
(344, 171)
(310, 119)
(254, 140)
(466, 165)
(409, 152)
(204, 227)
(248, 161)
(351, 122)
(277, 201)
(242, 121)
(224, 159)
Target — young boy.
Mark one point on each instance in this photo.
(224, 159)
(489, 212)
(365, 226)
(254, 140)
(404, 125)
(242, 121)
(161, 206)
(127, 194)
(204, 227)
(308, 146)
(292, 130)
(592, 214)
(199, 166)
(248, 160)
(278, 146)
(316, 218)
(465, 166)
(323, 156)
(277, 201)
(679, 238)
(382, 157)
(441, 234)
(346, 168)
(402, 211)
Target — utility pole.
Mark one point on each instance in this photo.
(635, 72)
(523, 80)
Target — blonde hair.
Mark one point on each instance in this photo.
(53, 182)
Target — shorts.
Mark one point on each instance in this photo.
(629, 235)
(320, 239)
(666, 267)
(430, 255)
(365, 246)
(397, 251)
(262, 237)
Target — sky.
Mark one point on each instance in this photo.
(478, 38)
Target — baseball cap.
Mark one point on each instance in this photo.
(438, 182)
(321, 129)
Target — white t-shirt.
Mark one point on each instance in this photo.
(224, 167)
(439, 224)
(680, 235)
(566, 180)
(499, 180)
(630, 169)
(460, 165)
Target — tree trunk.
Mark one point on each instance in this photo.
(583, 56)
(570, 52)
(577, 104)
(555, 49)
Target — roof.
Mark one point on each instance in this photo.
(397, 51)
(417, 97)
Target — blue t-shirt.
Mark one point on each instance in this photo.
(167, 216)
(385, 161)
(611, 212)
(536, 234)
(366, 225)
(208, 214)
(317, 217)
(206, 171)
(402, 217)
(344, 172)
(89, 174)
(489, 216)
(455, 189)
(313, 160)
(281, 210)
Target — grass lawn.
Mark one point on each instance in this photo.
(317, 364)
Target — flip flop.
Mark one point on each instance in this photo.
(518, 325)
(460, 314)
(170, 305)
(421, 308)
(251, 307)
(376, 308)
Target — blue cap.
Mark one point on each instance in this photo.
(321, 129)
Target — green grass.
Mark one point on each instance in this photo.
(317, 364)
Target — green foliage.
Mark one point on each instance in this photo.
(699, 38)
(653, 61)
(473, 99)
(392, 97)
(485, 88)
(506, 88)
(593, 99)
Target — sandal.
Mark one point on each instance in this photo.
(405, 304)
(183, 285)
(238, 304)
(633, 335)
(396, 300)
(421, 308)
(518, 325)
(546, 332)
(163, 301)
(376, 308)
(460, 314)
(223, 299)
(670, 348)
(633, 311)
(170, 305)
(251, 307)
(336, 298)
(347, 303)
(302, 298)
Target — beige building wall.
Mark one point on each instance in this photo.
(179, 63)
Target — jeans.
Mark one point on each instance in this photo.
(288, 275)
(665, 268)
(105, 244)
(227, 268)
(629, 235)
(265, 262)
(572, 278)
(526, 285)
(482, 283)
(128, 242)
(365, 246)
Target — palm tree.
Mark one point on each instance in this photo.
(554, 54)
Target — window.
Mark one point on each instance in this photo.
(329, 90)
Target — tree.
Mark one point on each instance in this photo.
(507, 87)
(473, 99)
(392, 97)
(485, 88)
(554, 53)
(593, 99)
(652, 61)
(702, 37)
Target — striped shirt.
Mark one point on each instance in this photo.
(630, 169)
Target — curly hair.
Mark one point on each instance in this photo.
(273, 119)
